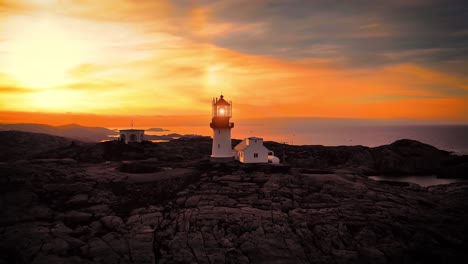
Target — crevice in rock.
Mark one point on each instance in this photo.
(156, 242)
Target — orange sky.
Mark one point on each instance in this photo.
(102, 62)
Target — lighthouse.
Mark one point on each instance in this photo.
(221, 113)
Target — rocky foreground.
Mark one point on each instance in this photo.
(63, 211)
(64, 201)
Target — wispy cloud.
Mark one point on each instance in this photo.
(14, 90)
(11, 6)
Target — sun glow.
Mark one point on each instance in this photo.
(57, 100)
(214, 76)
(40, 51)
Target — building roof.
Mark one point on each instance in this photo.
(221, 101)
(131, 130)
(243, 144)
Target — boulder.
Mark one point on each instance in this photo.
(112, 222)
(78, 200)
(76, 218)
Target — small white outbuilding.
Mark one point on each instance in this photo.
(131, 135)
(252, 150)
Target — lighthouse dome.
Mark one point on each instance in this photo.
(221, 101)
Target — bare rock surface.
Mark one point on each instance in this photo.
(176, 207)
(198, 212)
(312, 218)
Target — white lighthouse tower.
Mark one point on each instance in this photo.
(222, 148)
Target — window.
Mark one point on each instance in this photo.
(255, 155)
(219, 145)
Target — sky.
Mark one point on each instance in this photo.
(106, 62)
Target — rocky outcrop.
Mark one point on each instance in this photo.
(16, 145)
(403, 157)
(406, 157)
(200, 212)
(454, 167)
(186, 148)
(70, 213)
(310, 218)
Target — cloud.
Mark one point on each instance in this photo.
(272, 58)
(86, 70)
(183, 80)
(362, 29)
(95, 86)
(12, 6)
(110, 121)
(13, 89)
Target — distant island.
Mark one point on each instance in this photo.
(74, 131)
(156, 129)
(81, 133)
(68, 201)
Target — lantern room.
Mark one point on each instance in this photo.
(221, 113)
(221, 108)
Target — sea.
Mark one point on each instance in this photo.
(452, 138)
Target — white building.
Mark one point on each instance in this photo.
(131, 135)
(252, 150)
(222, 146)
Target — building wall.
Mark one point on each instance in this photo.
(131, 136)
(222, 145)
(248, 154)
